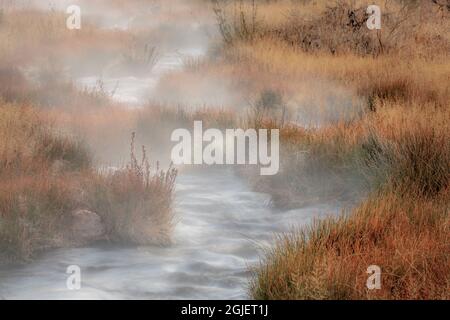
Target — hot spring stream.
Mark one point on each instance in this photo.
(221, 226)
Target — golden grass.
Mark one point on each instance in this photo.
(403, 227)
(407, 237)
(32, 213)
(415, 79)
(38, 181)
(339, 27)
(397, 149)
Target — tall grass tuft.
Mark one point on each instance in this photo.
(135, 202)
(40, 183)
(406, 236)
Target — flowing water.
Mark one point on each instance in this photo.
(221, 226)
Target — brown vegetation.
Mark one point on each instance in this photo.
(53, 138)
(397, 145)
(46, 175)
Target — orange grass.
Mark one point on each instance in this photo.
(407, 237)
(399, 145)
(46, 175)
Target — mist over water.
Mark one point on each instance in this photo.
(222, 223)
(222, 227)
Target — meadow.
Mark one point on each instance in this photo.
(396, 148)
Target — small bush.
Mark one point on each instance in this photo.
(135, 202)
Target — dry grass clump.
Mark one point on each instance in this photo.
(28, 35)
(406, 236)
(47, 86)
(408, 146)
(135, 202)
(39, 185)
(30, 143)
